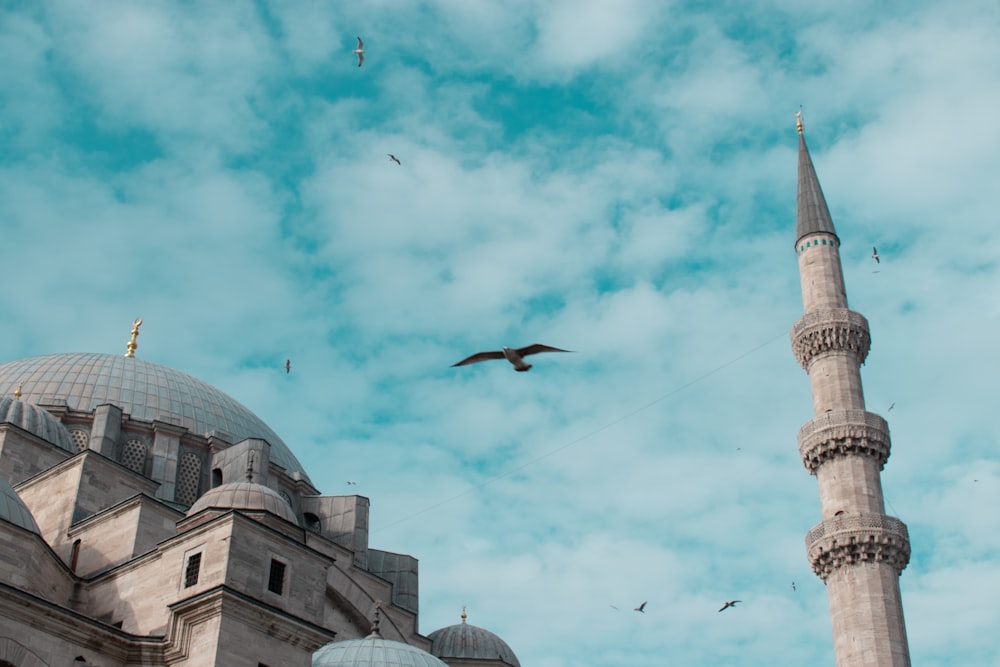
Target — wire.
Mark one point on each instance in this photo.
(581, 438)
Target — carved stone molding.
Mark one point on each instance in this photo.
(843, 433)
(850, 539)
(829, 330)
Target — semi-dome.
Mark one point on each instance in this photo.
(35, 420)
(13, 509)
(373, 651)
(468, 642)
(143, 390)
(245, 496)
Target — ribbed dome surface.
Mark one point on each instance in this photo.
(373, 652)
(470, 642)
(35, 420)
(142, 389)
(13, 509)
(245, 496)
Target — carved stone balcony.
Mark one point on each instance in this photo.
(835, 329)
(843, 433)
(849, 539)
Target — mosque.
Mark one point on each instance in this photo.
(148, 519)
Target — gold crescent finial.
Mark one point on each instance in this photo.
(135, 334)
(464, 616)
(17, 392)
(798, 120)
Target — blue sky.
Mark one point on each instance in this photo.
(615, 178)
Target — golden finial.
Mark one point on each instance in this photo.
(135, 334)
(798, 120)
(375, 621)
(464, 616)
(17, 392)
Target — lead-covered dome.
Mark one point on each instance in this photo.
(13, 509)
(373, 651)
(468, 642)
(245, 496)
(35, 420)
(143, 390)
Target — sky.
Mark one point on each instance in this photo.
(615, 178)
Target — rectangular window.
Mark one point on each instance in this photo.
(276, 580)
(192, 569)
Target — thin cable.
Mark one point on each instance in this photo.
(580, 439)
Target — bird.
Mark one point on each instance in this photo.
(875, 255)
(731, 603)
(350, 483)
(514, 356)
(288, 366)
(360, 51)
(613, 607)
(641, 608)
(394, 159)
(891, 407)
(793, 585)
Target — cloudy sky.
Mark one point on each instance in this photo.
(612, 177)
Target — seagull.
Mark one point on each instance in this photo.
(641, 608)
(511, 355)
(360, 51)
(613, 607)
(288, 366)
(875, 255)
(350, 483)
(793, 585)
(731, 603)
(394, 159)
(891, 407)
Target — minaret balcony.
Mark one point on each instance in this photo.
(839, 433)
(858, 538)
(830, 330)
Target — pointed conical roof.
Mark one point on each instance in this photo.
(811, 212)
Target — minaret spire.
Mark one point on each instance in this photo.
(857, 550)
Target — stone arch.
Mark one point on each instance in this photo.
(13, 654)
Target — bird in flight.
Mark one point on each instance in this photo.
(288, 366)
(793, 585)
(875, 255)
(891, 407)
(350, 483)
(641, 608)
(360, 51)
(731, 603)
(613, 607)
(514, 356)
(394, 159)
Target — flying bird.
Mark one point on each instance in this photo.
(514, 356)
(641, 608)
(891, 407)
(875, 255)
(288, 366)
(394, 159)
(793, 585)
(613, 607)
(360, 51)
(731, 603)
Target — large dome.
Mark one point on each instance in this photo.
(143, 390)
(373, 651)
(469, 642)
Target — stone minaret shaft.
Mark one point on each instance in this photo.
(857, 549)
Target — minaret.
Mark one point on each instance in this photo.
(856, 549)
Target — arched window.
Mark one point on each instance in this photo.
(187, 479)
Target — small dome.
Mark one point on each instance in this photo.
(245, 496)
(373, 651)
(13, 509)
(37, 421)
(464, 641)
